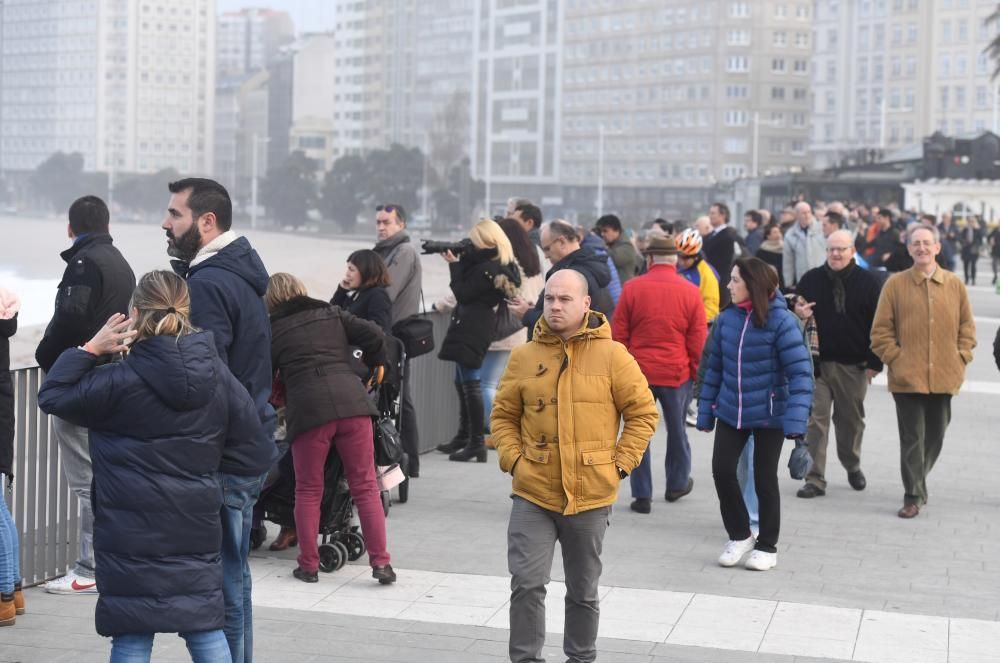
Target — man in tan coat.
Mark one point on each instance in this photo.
(924, 332)
(555, 423)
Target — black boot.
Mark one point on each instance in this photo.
(476, 448)
(462, 436)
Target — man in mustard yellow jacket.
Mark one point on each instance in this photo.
(556, 420)
(924, 332)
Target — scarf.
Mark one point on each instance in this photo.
(838, 279)
(772, 245)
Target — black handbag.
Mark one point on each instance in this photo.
(507, 322)
(416, 332)
(800, 461)
(388, 449)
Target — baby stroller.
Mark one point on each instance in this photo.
(341, 541)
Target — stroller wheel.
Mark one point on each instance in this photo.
(330, 558)
(404, 491)
(385, 502)
(257, 537)
(355, 544)
(342, 554)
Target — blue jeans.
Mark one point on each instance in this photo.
(491, 372)
(204, 647)
(463, 374)
(239, 494)
(674, 401)
(10, 561)
(744, 474)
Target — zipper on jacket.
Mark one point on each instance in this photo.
(739, 375)
(770, 404)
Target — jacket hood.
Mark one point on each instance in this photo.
(180, 371)
(297, 305)
(595, 244)
(508, 280)
(237, 257)
(595, 325)
(589, 263)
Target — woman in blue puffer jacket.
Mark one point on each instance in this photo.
(161, 423)
(759, 381)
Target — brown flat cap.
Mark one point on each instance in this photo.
(660, 246)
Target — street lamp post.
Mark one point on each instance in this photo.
(253, 179)
(600, 172)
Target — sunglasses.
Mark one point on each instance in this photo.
(389, 209)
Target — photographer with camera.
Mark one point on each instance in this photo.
(484, 273)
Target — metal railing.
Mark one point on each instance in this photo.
(46, 512)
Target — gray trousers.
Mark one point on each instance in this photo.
(74, 448)
(840, 389)
(531, 541)
(922, 420)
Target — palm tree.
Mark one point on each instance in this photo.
(993, 50)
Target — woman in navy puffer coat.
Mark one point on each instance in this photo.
(759, 381)
(158, 423)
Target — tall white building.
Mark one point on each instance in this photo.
(129, 85)
(249, 39)
(887, 73)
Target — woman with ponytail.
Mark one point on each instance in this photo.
(162, 423)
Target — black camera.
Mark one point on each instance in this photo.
(430, 247)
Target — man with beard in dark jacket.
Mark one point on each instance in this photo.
(227, 282)
(561, 245)
(97, 283)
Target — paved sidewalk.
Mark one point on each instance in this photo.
(846, 557)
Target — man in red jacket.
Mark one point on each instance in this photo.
(661, 320)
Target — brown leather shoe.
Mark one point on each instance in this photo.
(909, 511)
(7, 610)
(18, 599)
(286, 538)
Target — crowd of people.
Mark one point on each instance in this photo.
(168, 392)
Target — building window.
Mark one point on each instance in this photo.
(777, 93)
(735, 146)
(739, 10)
(778, 65)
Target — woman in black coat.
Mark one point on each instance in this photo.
(160, 423)
(363, 290)
(327, 409)
(11, 597)
(484, 275)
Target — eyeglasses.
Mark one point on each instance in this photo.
(838, 249)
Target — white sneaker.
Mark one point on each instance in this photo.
(735, 551)
(761, 561)
(71, 583)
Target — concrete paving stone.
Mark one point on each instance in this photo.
(970, 638)
(886, 637)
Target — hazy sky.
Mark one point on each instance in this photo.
(308, 15)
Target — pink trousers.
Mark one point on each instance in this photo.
(353, 439)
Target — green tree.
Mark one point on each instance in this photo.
(455, 200)
(145, 193)
(395, 176)
(60, 180)
(345, 191)
(289, 190)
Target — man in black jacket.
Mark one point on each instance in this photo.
(227, 281)
(720, 245)
(561, 245)
(842, 298)
(97, 283)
